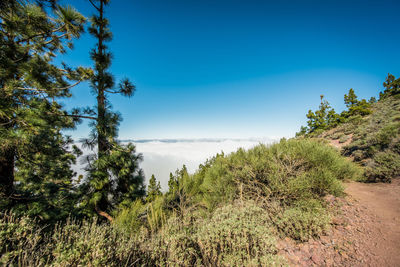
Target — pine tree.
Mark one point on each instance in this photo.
(351, 99)
(355, 106)
(183, 190)
(372, 100)
(153, 189)
(322, 119)
(392, 86)
(114, 176)
(35, 160)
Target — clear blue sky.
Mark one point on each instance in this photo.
(235, 68)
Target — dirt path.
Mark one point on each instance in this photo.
(382, 203)
(365, 232)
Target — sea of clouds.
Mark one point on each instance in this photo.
(162, 156)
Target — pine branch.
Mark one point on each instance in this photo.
(40, 34)
(53, 39)
(52, 89)
(112, 92)
(98, 9)
(79, 116)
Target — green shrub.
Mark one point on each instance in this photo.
(20, 240)
(344, 138)
(24, 243)
(317, 132)
(156, 214)
(238, 235)
(358, 119)
(396, 118)
(288, 171)
(89, 243)
(387, 134)
(358, 155)
(291, 177)
(337, 135)
(305, 219)
(132, 218)
(233, 235)
(348, 131)
(385, 165)
(395, 145)
(175, 245)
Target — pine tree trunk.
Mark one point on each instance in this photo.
(101, 108)
(102, 142)
(101, 137)
(7, 159)
(104, 214)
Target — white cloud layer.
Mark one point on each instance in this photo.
(160, 157)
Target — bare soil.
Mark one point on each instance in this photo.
(336, 142)
(365, 231)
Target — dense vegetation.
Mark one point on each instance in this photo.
(371, 130)
(35, 157)
(231, 211)
(36, 178)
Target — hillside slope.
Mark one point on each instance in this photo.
(366, 228)
(372, 141)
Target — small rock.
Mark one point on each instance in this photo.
(330, 199)
(316, 259)
(324, 240)
(337, 221)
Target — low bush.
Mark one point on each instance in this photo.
(238, 235)
(175, 244)
(395, 145)
(20, 240)
(90, 243)
(336, 135)
(132, 218)
(287, 171)
(304, 220)
(386, 134)
(24, 243)
(343, 139)
(384, 166)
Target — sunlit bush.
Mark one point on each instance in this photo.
(238, 235)
(20, 240)
(375, 143)
(286, 171)
(175, 245)
(24, 243)
(305, 219)
(384, 166)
